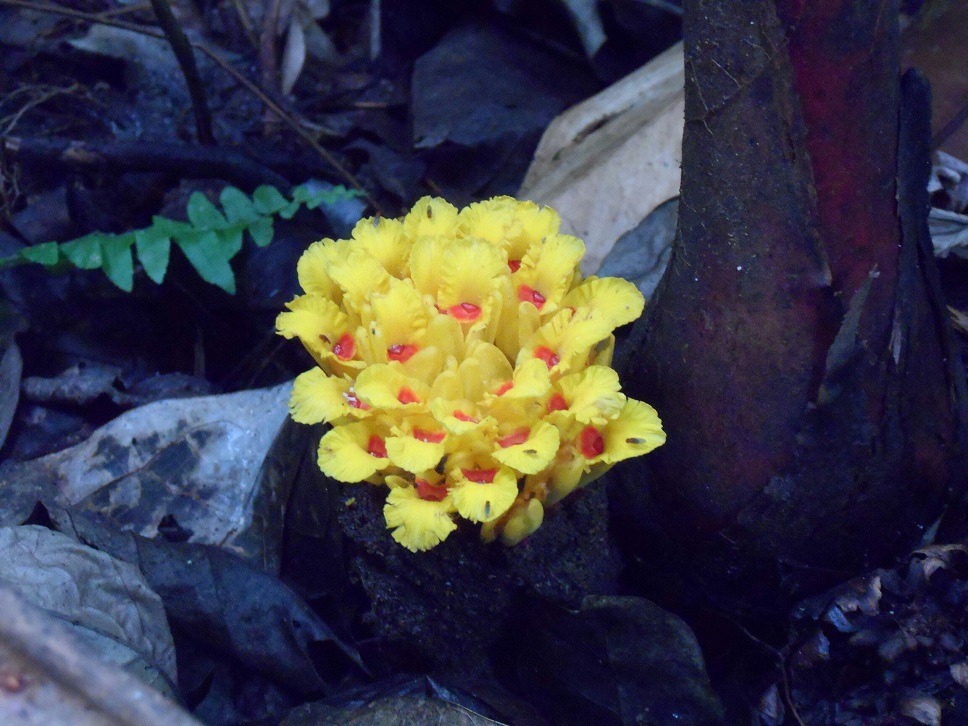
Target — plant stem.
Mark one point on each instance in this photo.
(186, 59)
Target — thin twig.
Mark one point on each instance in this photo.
(117, 156)
(246, 22)
(268, 70)
(124, 10)
(781, 658)
(186, 60)
(43, 94)
(286, 117)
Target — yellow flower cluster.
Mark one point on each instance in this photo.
(463, 362)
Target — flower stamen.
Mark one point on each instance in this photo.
(529, 294)
(480, 476)
(546, 354)
(406, 395)
(345, 347)
(591, 442)
(465, 312)
(377, 447)
(401, 352)
(517, 437)
(429, 436)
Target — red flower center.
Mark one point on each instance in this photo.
(505, 387)
(480, 476)
(401, 352)
(461, 416)
(406, 395)
(557, 403)
(514, 265)
(465, 312)
(429, 436)
(429, 492)
(517, 437)
(345, 347)
(547, 355)
(527, 294)
(376, 447)
(591, 442)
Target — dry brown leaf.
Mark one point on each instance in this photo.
(606, 163)
(923, 709)
(105, 600)
(48, 676)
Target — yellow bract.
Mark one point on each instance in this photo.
(462, 361)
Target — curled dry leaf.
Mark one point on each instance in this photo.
(923, 709)
(49, 677)
(107, 602)
(607, 162)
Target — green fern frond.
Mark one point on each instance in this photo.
(209, 239)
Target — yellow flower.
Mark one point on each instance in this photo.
(419, 514)
(547, 272)
(482, 489)
(318, 398)
(462, 362)
(353, 452)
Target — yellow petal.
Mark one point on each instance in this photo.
(310, 317)
(426, 258)
(461, 416)
(467, 272)
(384, 239)
(485, 368)
(530, 380)
(493, 220)
(535, 223)
(323, 329)
(564, 478)
(317, 398)
(312, 269)
(635, 431)
(612, 299)
(417, 524)
(446, 386)
(344, 452)
(548, 269)
(532, 455)
(359, 275)
(399, 313)
(385, 386)
(524, 520)
(564, 343)
(430, 217)
(484, 501)
(445, 333)
(592, 395)
(414, 455)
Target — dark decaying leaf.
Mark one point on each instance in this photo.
(905, 626)
(220, 599)
(196, 459)
(617, 660)
(482, 700)
(481, 99)
(313, 553)
(11, 367)
(394, 711)
(50, 677)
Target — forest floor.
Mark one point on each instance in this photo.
(364, 108)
